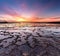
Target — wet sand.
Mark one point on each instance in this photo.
(30, 41)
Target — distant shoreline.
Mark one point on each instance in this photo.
(31, 22)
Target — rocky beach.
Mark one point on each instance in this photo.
(30, 41)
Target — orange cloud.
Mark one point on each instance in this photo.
(31, 19)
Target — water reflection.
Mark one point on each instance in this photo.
(27, 24)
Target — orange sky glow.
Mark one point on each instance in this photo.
(29, 11)
(15, 18)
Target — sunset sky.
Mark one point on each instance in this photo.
(30, 10)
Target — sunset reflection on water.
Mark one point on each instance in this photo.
(27, 25)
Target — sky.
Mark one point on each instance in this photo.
(30, 10)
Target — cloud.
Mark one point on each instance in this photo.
(11, 11)
(12, 14)
(24, 6)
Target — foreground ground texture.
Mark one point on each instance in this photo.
(30, 41)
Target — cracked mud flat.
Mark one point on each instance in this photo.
(30, 41)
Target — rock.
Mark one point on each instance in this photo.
(39, 41)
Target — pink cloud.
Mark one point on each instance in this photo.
(10, 11)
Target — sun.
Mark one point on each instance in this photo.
(20, 19)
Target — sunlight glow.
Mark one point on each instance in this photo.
(20, 19)
(10, 18)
